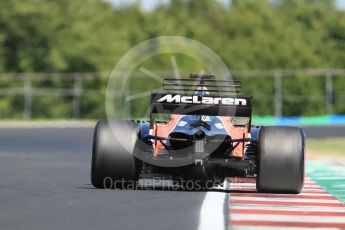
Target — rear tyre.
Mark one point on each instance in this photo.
(281, 160)
(113, 164)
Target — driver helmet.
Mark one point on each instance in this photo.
(201, 91)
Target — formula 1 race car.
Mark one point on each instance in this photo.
(199, 131)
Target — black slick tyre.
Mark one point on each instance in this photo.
(281, 160)
(113, 164)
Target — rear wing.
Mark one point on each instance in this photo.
(173, 103)
(201, 94)
(166, 103)
(204, 82)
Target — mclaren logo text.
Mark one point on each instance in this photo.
(169, 98)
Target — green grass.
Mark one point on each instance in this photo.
(326, 147)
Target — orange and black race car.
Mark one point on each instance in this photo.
(199, 133)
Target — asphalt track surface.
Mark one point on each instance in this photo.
(45, 185)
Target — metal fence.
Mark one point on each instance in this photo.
(29, 85)
(77, 86)
(328, 91)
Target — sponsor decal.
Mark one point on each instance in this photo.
(219, 126)
(169, 98)
(205, 118)
(182, 123)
